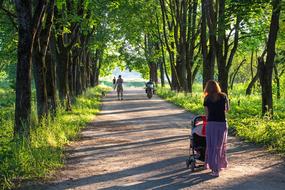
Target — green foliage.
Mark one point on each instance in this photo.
(130, 21)
(262, 131)
(8, 53)
(244, 116)
(189, 102)
(20, 160)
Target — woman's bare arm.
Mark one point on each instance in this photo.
(227, 106)
(206, 111)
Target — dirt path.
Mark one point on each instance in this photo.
(143, 144)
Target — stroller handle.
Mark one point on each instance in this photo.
(198, 121)
(199, 118)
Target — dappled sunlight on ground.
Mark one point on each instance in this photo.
(139, 143)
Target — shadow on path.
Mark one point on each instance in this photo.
(170, 179)
(143, 144)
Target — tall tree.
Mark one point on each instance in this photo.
(39, 59)
(28, 22)
(208, 46)
(266, 67)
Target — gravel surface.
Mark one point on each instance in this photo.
(139, 143)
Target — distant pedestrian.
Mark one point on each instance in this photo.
(119, 85)
(114, 82)
(216, 104)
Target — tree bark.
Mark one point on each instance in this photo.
(276, 76)
(192, 36)
(208, 53)
(51, 83)
(28, 25)
(23, 73)
(161, 69)
(94, 68)
(153, 72)
(62, 76)
(39, 68)
(267, 67)
(79, 89)
(39, 61)
(162, 58)
(169, 45)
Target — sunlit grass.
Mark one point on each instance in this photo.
(20, 160)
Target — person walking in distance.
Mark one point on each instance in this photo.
(119, 85)
(216, 104)
(114, 82)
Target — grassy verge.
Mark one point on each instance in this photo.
(244, 117)
(21, 161)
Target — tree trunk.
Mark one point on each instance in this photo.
(265, 77)
(74, 73)
(208, 53)
(267, 68)
(94, 69)
(221, 59)
(223, 79)
(183, 44)
(62, 75)
(78, 78)
(277, 81)
(23, 73)
(39, 61)
(83, 69)
(191, 43)
(169, 45)
(153, 72)
(162, 59)
(161, 69)
(50, 84)
(70, 78)
(100, 59)
(88, 68)
(39, 68)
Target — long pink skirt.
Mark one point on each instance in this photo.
(216, 139)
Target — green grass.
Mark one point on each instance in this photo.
(21, 161)
(126, 83)
(244, 117)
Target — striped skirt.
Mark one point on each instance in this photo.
(216, 139)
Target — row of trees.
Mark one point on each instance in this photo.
(60, 45)
(186, 37)
(64, 45)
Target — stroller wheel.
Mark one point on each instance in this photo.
(188, 163)
(192, 166)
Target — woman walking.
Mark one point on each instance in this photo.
(216, 104)
(119, 85)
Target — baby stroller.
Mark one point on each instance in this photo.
(197, 146)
